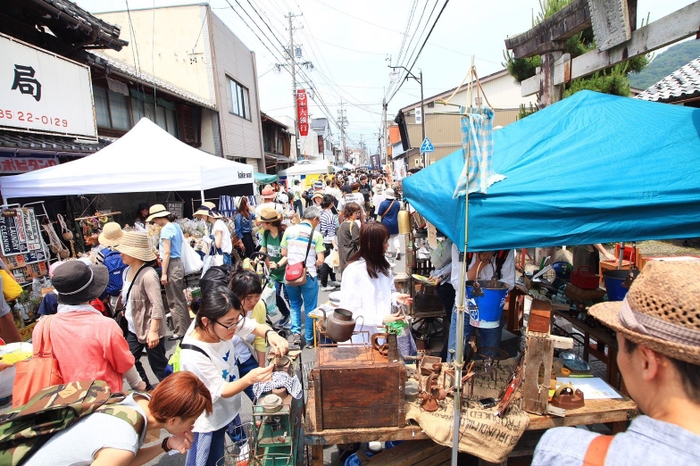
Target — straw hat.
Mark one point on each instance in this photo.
(136, 245)
(78, 283)
(269, 215)
(317, 194)
(157, 210)
(661, 310)
(389, 194)
(208, 209)
(111, 234)
(268, 192)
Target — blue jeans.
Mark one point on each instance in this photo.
(487, 336)
(305, 295)
(243, 369)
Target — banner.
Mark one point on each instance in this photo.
(25, 164)
(302, 113)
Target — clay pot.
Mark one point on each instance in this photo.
(340, 325)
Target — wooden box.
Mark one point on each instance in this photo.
(356, 387)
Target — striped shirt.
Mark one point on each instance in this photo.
(328, 226)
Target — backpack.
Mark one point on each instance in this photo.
(115, 267)
(24, 430)
(501, 257)
(174, 361)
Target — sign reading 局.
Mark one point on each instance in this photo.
(43, 92)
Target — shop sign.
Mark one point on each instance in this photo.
(10, 165)
(20, 234)
(302, 113)
(43, 92)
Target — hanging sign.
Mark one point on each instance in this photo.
(302, 113)
(43, 92)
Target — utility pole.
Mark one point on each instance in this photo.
(422, 104)
(342, 124)
(385, 140)
(292, 62)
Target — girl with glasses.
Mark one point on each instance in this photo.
(220, 317)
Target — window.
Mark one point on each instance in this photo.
(112, 109)
(238, 100)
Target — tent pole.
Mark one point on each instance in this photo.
(459, 331)
(201, 192)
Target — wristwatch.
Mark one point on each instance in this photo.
(164, 444)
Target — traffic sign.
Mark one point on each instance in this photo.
(427, 146)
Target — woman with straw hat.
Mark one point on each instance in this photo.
(143, 305)
(220, 232)
(273, 231)
(173, 272)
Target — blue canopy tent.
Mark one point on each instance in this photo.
(592, 168)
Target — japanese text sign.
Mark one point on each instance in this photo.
(43, 92)
(302, 113)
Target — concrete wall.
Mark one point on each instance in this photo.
(240, 137)
(167, 43)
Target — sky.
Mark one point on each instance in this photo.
(351, 45)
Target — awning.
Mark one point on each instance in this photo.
(279, 158)
(264, 178)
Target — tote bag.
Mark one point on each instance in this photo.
(38, 372)
(10, 287)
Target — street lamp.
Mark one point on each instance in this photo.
(422, 107)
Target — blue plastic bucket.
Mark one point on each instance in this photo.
(489, 307)
(613, 283)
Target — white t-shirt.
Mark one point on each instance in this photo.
(77, 445)
(368, 297)
(226, 244)
(279, 208)
(215, 371)
(127, 302)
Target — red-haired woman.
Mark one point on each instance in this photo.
(244, 228)
(367, 287)
(100, 438)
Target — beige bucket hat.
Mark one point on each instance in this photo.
(136, 245)
(111, 234)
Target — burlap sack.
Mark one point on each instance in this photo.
(482, 434)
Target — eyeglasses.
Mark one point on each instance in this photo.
(240, 319)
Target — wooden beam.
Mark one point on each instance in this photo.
(665, 31)
(562, 73)
(569, 21)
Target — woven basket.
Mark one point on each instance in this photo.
(575, 293)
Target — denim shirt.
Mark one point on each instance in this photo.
(243, 225)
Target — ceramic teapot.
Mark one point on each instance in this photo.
(339, 324)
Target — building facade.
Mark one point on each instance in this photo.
(442, 122)
(190, 47)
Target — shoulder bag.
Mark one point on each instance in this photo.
(38, 372)
(295, 274)
(387, 210)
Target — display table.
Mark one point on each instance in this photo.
(603, 340)
(610, 411)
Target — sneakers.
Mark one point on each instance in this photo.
(333, 283)
(327, 288)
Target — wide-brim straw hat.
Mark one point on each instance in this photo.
(77, 282)
(136, 245)
(660, 311)
(111, 234)
(269, 215)
(157, 210)
(268, 192)
(208, 209)
(317, 195)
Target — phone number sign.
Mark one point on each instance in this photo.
(43, 92)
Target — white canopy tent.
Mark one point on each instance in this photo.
(146, 159)
(306, 167)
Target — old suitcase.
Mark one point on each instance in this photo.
(356, 387)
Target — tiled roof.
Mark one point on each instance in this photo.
(319, 124)
(130, 72)
(681, 84)
(11, 141)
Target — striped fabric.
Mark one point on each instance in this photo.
(477, 141)
(328, 226)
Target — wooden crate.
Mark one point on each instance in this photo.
(356, 387)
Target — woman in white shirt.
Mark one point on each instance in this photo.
(213, 360)
(367, 287)
(222, 236)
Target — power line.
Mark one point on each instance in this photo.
(421, 49)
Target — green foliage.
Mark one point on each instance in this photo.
(612, 81)
(527, 111)
(548, 8)
(521, 68)
(664, 64)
